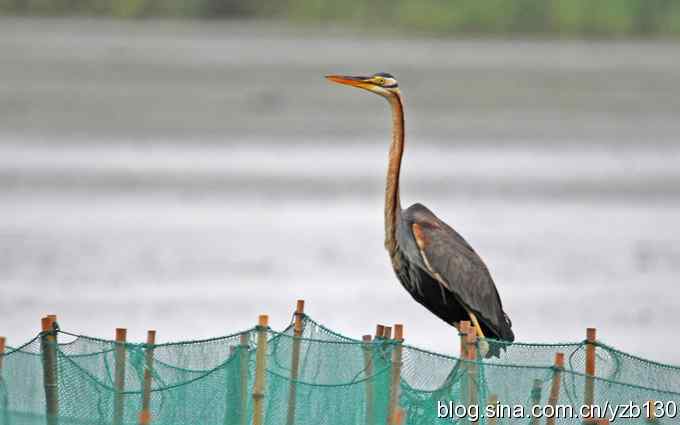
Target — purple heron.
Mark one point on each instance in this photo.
(431, 260)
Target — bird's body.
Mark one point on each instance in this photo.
(432, 261)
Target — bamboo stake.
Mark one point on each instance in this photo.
(536, 398)
(5, 411)
(395, 379)
(244, 359)
(650, 414)
(145, 416)
(50, 371)
(493, 401)
(119, 376)
(368, 370)
(388, 332)
(589, 396)
(379, 331)
(295, 361)
(260, 367)
(473, 368)
(463, 329)
(2, 352)
(555, 385)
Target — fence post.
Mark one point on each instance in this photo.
(145, 416)
(395, 379)
(463, 329)
(379, 331)
(650, 413)
(295, 361)
(119, 376)
(48, 343)
(260, 367)
(493, 401)
(555, 385)
(368, 370)
(589, 392)
(2, 351)
(387, 334)
(4, 408)
(472, 369)
(244, 360)
(536, 390)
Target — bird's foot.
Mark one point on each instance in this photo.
(483, 347)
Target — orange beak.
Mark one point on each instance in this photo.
(348, 80)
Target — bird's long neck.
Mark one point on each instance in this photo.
(392, 203)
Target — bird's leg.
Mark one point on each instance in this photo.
(483, 344)
(475, 323)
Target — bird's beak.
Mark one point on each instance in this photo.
(360, 82)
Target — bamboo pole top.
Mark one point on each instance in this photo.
(559, 360)
(263, 320)
(2, 349)
(45, 324)
(151, 337)
(388, 332)
(121, 334)
(366, 338)
(300, 307)
(48, 322)
(399, 332)
(379, 331)
(591, 335)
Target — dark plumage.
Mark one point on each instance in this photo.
(446, 275)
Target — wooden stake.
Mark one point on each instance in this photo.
(260, 367)
(463, 328)
(50, 370)
(473, 368)
(145, 416)
(379, 331)
(4, 419)
(388, 332)
(395, 379)
(368, 370)
(119, 376)
(555, 385)
(493, 401)
(536, 390)
(589, 396)
(2, 351)
(295, 361)
(650, 413)
(243, 361)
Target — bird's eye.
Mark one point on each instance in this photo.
(380, 80)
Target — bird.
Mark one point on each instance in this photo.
(433, 262)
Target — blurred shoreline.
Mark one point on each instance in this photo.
(554, 18)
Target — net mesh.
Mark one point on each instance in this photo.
(338, 380)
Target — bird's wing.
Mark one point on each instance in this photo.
(450, 260)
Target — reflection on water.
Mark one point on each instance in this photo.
(187, 182)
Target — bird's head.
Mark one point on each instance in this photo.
(382, 83)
